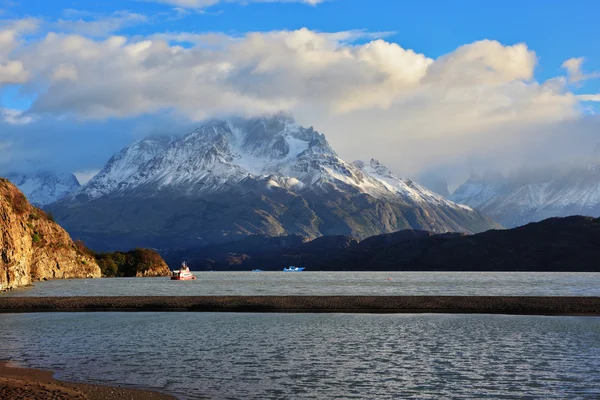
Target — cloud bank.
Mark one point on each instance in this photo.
(479, 104)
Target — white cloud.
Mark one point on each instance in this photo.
(373, 99)
(199, 4)
(95, 25)
(589, 97)
(573, 67)
(14, 117)
(65, 72)
(260, 72)
(24, 25)
(11, 70)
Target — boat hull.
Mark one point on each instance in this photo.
(184, 278)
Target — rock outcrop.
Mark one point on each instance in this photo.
(149, 264)
(139, 263)
(33, 247)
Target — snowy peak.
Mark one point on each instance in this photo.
(532, 194)
(269, 151)
(276, 138)
(387, 183)
(220, 154)
(122, 166)
(43, 188)
(380, 169)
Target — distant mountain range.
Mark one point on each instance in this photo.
(42, 188)
(556, 244)
(229, 179)
(533, 195)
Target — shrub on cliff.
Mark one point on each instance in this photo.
(81, 248)
(19, 202)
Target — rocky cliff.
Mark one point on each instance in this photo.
(33, 247)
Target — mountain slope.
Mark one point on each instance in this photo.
(43, 188)
(532, 197)
(229, 179)
(33, 247)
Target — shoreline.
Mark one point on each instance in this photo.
(36, 384)
(513, 305)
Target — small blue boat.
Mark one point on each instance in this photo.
(291, 268)
(257, 270)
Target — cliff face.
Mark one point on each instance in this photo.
(161, 270)
(33, 247)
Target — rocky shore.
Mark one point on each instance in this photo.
(33, 384)
(524, 305)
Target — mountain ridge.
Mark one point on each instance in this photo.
(233, 178)
(556, 244)
(43, 188)
(533, 195)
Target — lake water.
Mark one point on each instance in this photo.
(315, 356)
(330, 283)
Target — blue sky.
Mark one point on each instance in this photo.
(553, 32)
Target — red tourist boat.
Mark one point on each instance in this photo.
(182, 274)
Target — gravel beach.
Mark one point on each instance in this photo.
(524, 305)
(34, 384)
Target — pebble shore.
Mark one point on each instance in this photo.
(34, 384)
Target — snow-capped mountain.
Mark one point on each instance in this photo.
(122, 165)
(43, 188)
(253, 176)
(277, 152)
(533, 195)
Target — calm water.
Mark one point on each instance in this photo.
(330, 283)
(310, 356)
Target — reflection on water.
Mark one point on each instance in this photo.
(330, 283)
(310, 356)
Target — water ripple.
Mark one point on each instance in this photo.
(316, 356)
(331, 283)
